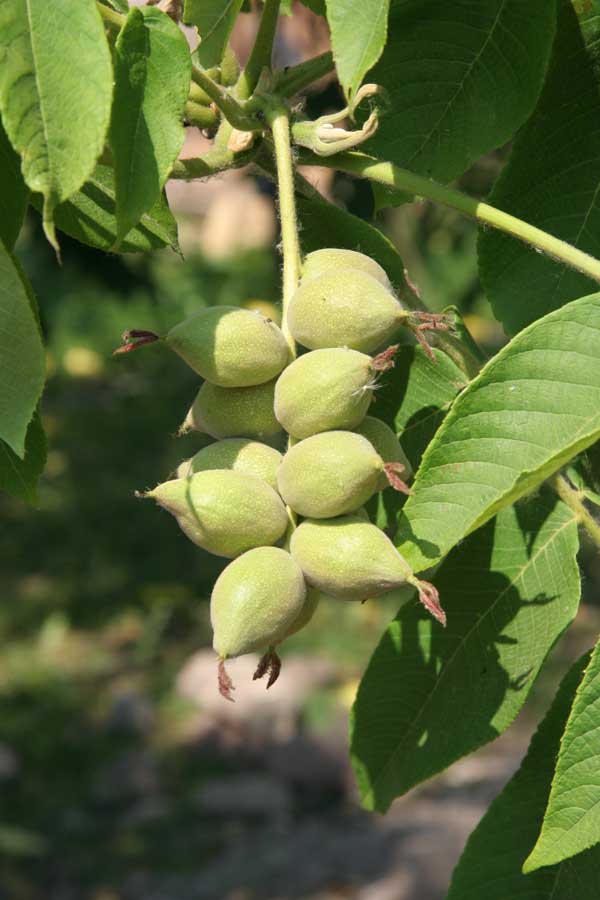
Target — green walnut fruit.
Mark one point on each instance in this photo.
(330, 474)
(324, 390)
(234, 412)
(308, 610)
(387, 445)
(241, 454)
(344, 308)
(351, 559)
(255, 601)
(320, 261)
(224, 511)
(230, 347)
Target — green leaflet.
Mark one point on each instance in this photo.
(214, 20)
(22, 364)
(431, 695)
(55, 93)
(358, 35)
(19, 477)
(572, 819)
(152, 78)
(461, 78)
(532, 408)
(551, 179)
(89, 216)
(490, 866)
(13, 193)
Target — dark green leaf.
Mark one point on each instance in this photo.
(572, 819)
(551, 179)
(22, 364)
(431, 695)
(214, 20)
(325, 225)
(55, 93)
(416, 395)
(13, 192)
(89, 216)
(534, 407)
(461, 77)
(152, 72)
(19, 477)
(358, 35)
(490, 866)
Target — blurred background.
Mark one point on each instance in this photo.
(123, 774)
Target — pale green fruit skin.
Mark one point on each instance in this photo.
(230, 347)
(234, 412)
(320, 261)
(240, 454)
(255, 601)
(348, 558)
(329, 474)
(324, 390)
(343, 308)
(223, 511)
(308, 610)
(387, 445)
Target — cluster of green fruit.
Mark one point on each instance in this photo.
(239, 497)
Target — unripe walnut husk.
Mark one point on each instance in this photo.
(324, 390)
(223, 511)
(230, 347)
(234, 412)
(256, 601)
(240, 454)
(344, 308)
(320, 261)
(387, 445)
(351, 559)
(329, 474)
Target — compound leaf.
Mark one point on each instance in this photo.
(572, 819)
(90, 217)
(55, 93)
(22, 365)
(13, 193)
(152, 72)
(532, 408)
(461, 78)
(19, 477)
(551, 179)
(358, 35)
(431, 695)
(491, 864)
(214, 20)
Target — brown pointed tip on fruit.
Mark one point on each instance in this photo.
(387, 445)
(240, 454)
(234, 412)
(230, 347)
(351, 559)
(255, 601)
(223, 511)
(324, 390)
(335, 258)
(329, 474)
(344, 308)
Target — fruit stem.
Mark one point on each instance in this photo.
(402, 180)
(233, 111)
(278, 117)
